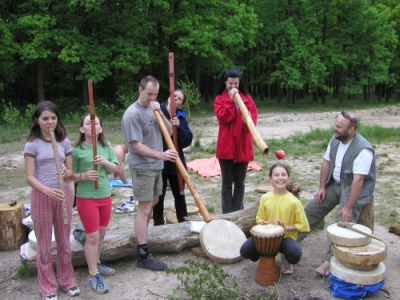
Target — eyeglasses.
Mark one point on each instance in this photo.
(345, 114)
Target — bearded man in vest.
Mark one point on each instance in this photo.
(347, 179)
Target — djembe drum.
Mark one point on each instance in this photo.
(267, 240)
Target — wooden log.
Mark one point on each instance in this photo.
(367, 215)
(12, 231)
(161, 239)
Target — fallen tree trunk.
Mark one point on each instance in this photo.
(161, 239)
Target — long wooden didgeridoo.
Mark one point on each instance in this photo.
(250, 125)
(59, 174)
(93, 128)
(350, 226)
(181, 168)
(173, 111)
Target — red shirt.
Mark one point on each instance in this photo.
(234, 138)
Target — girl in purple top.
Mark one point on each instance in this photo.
(46, 199)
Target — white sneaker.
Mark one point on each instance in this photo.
(124, 208)
(287, 268)
(132, 203)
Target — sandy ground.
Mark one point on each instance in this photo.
(133, 283)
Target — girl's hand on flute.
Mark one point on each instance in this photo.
(175, 121)
(54, 194)
(100, 160)
(66, 173)
(91, 175)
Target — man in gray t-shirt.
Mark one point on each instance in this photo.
(145, 158)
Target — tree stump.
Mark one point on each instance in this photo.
(367, 215)
(12, 231)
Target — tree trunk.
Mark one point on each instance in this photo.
(40, 80)
(197, 72)
(12, 231)
(84, 89)
(161, 239)
(367, 215)
(369, 93)
(341, 87)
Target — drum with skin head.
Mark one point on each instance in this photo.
(267, 240)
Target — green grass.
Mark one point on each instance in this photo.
(298, 146)
(22, 272)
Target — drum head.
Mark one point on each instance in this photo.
(347, 237)
(221, 241)
(355, 276)
(267, 230)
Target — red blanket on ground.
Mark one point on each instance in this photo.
(209, 167)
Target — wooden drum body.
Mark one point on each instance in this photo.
(362, 258)
(267, 239)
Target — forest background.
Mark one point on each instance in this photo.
(288, 51)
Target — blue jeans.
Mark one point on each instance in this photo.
(232, 174)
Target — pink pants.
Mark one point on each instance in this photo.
(45, 214)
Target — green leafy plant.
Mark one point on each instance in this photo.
(73, 117)
(193, 95)
(10, 114)
(29, 111)
(201, 280)
(22, 271)
(127, 98)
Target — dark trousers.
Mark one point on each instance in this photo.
(289, 247)
(232, 174)
(180, 201)
(317, 212)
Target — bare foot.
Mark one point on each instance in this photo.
(323, 269)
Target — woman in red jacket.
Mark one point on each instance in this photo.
(235, 143)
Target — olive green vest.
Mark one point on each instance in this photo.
(346, 174)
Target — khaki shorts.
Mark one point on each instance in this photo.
(146, 184)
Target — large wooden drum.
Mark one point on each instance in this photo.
(363, 258)
(355, 276)
(267, 240)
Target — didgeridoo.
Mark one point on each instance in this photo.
(250, 125)
(93, 128)
(173, 111)
(181, 168)
(59, 174)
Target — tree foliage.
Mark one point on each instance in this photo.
(49, 49)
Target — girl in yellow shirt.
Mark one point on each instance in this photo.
(283, 208)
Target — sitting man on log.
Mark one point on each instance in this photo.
(347, 179)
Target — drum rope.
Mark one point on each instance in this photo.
(384, 293)
(324, 284)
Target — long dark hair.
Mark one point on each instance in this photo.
(230, 73)
(59, 132)
(101, 138)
